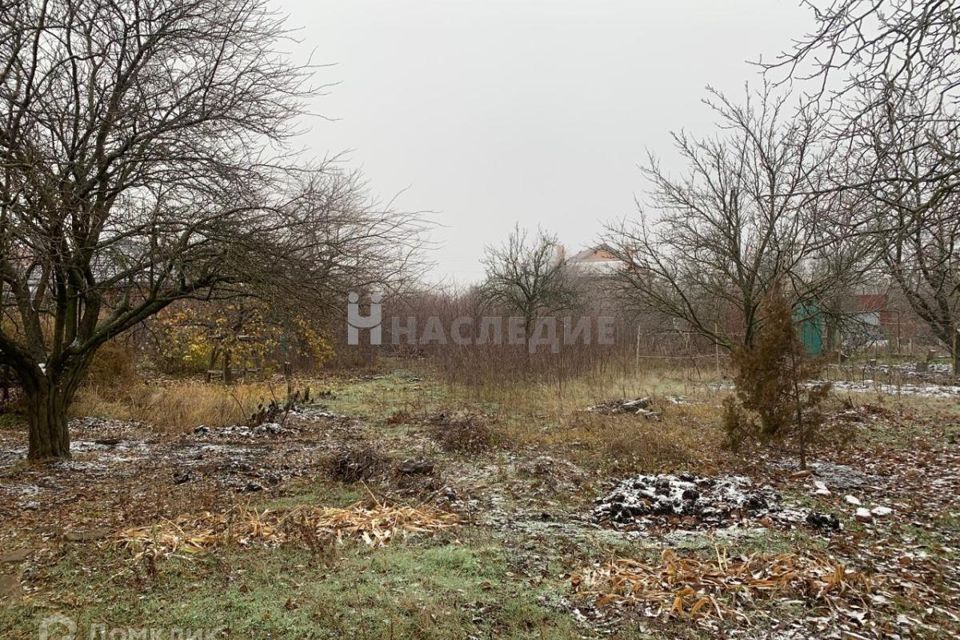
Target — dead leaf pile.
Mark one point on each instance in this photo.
(378, 525)
(722, 588)
(375, 525)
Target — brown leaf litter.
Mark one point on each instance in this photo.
(375, 525)
(722, 588)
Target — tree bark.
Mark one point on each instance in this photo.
(956, 352)
(227, 372)
(47, 416)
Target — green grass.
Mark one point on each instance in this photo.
(377, 398)
(407, 590)
(313, 492)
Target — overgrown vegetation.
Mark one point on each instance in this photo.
(178, 406)
(231, 338)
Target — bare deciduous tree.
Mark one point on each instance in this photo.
(861, 47)
(748, 214)
(916, 206)
(143, 160)
(528, 276)
(887, 73)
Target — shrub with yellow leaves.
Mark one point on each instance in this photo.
(194, 337)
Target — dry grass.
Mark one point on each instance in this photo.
(683, 439)
(529, 414)
(176, 407)
(553, 415)
(567, 394)
(633, 443)
(114, 365)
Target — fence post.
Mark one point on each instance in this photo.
(955, 353)
(636, 365)
(716, 346)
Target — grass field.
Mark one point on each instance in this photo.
(519, 469)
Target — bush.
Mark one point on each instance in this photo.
(113, 366)
(356, 464)
(463, 432)
(194, 337)
(737, 426)
(772, 381)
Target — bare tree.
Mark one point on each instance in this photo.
(887, 73)
(143, 159)
(528, 276)
(861, 47)
(348, 239)
(916, 205)
(747, 215)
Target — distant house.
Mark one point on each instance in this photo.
(872, 317)
(595, 261)
(888, 316)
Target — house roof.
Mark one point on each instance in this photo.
(595, 254)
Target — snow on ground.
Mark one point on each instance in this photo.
(924, 390)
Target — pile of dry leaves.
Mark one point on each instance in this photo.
(375, 525)
(722, 588)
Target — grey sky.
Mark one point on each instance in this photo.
(493, 112)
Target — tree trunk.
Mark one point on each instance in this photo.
(227, 372)
(956, 353)
(47, 415)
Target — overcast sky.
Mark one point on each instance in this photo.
(492, 112)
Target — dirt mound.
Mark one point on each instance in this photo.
(690, 501)
(463, 431)
(355, 464)
(713, 501)
(637, 406)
